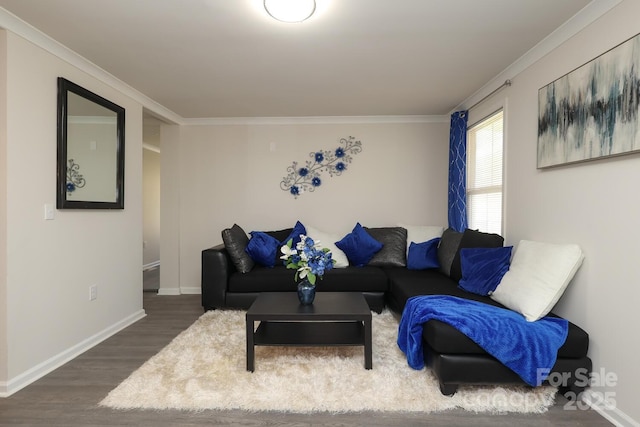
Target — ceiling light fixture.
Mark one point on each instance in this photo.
(290, 10)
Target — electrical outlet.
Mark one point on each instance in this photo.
(93, 292)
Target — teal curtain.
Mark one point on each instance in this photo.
(458, 171)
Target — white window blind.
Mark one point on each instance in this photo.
(484, 175)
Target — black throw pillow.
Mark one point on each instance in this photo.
(473, 239)
(280, 236)
(394, 249)
(447, 249)
(235, 242)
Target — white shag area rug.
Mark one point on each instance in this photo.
(205, 368)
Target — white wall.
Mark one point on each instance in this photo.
(228, 174)
(170, 210)
(151, 207)
(3, 209)
(592, 204)
(51, 264)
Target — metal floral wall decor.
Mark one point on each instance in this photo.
(594, 111)
(307, 177)
(74, 178)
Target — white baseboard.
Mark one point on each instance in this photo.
(21, 381)
(610, 412)
(169, 291)
(151, 265)
(180, 291)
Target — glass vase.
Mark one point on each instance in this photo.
(306, 292)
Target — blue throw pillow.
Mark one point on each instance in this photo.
(424, 255)
(483, 268)
(359, 246)
(263, 248)
(298, 229)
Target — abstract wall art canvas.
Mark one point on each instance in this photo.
(592, 112)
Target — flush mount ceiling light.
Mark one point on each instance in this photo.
(290, 10)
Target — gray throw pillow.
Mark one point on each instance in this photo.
(394, 249)
(448, 248)
(235, 242)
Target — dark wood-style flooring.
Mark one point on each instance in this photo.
(69, 395)
(151, 279)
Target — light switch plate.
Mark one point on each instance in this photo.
(49, 211)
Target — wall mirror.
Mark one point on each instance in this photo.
(90, 150)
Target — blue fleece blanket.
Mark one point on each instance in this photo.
(527, 348)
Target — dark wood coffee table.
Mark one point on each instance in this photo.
(334, 319)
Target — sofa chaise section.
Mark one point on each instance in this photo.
(456, 360)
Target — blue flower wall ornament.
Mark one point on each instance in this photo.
(307, 178)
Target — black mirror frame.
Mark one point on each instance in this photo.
(64, 87)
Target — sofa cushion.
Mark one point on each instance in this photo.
(236, 241)
(355, 279)
(280, 279)
(405, 283)
(483, 268)
(263, 279)
(263, 248)
(423, 255)
(329, 241)
(394, 246)
(473, 239)
(359, 246)
(537, 278)
(446, 339)
(447, 249)
(280, 235)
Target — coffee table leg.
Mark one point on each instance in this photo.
(368, 356)
(250, 346)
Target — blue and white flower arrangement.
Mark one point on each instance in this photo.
(308, 177)
(308, 258)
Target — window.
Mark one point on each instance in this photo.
(484, 175)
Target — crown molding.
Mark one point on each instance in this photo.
(313, 120)
(28, 32)
(23, 29)
(579, 21)
(585, 17)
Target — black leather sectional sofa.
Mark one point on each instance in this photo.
(452, 356)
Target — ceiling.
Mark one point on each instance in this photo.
(228, 58)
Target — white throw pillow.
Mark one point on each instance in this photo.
(538, 275)
(329, 241)
(421, 233)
